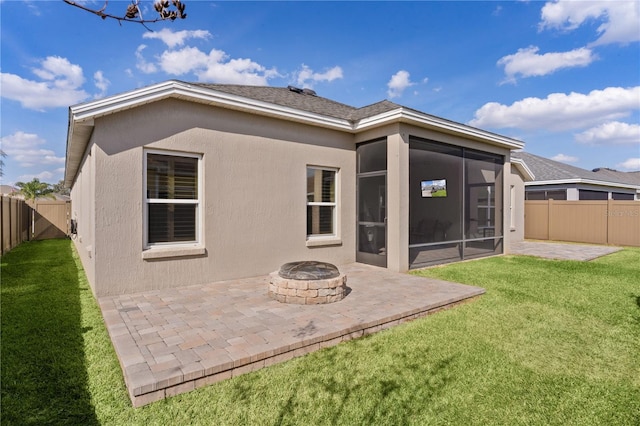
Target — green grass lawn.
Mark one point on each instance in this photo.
(551, 342)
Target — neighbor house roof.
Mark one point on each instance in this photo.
(7, 189)
(550, 172)
(286, 103)
(615, 175)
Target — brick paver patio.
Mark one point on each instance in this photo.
(173, 341)
(561, 251)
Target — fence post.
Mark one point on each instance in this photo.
(10, 224)
(549, 227)
(609, 216)
(2, 226)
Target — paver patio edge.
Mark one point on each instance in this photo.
(263, 332)
(142, 395)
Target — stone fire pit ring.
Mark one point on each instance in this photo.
(307, 283)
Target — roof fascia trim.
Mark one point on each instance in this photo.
(403, 114)
(524, 169)
(584, 181)
(180, 90)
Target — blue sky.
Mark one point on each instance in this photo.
(562, 76)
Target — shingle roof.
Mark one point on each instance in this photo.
(281, 102)
(545, 169)
(283, 96)
(609, 174)
(304, 101)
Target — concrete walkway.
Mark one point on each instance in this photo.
(173, 341)
(561, 251)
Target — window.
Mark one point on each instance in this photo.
(535, 195)
(587, 194)
(172, 198)
(321, 202)
(541, 195)
(621, 196)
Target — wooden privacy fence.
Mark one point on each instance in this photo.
(597, 222)
(40, 220)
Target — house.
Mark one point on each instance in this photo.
(182, 183)
(8, 190)
(559, 181)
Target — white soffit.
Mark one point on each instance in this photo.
(446, 126)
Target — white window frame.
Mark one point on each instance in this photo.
(335, 234)
(198, 203)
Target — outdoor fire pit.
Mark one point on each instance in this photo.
(308, 283)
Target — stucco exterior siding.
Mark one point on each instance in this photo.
(515, 229)
(253, 148)
(83, 212)
(254, 194)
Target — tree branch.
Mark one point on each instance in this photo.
(134, 14)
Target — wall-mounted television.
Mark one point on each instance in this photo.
(434, 188)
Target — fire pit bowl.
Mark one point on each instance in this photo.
(307, 283)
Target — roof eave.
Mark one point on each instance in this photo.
(583, 181)
(82, 116)
(523, 168)
(85, 114)
(424, 120)
(195, 93)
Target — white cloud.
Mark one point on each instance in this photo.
(176, 38)
(61, 72)
(183, 61)
(630, 164)
(101, 83)
(214, 66)
(619, 18)
(565, 158)
(398, 83)
(141, 62)
(61, 85)
(307, 77)
(561, 111)
(527, 62)
(26, 149)
(45, 176)
(612, 132)
(237, 71)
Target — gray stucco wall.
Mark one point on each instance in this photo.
(254, 194)
(515, 228)
(83, 212)
(254, 178)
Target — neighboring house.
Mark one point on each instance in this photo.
(632, 178)
(53, 197)
(8, 190)
(181, 183)
(559, 181)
